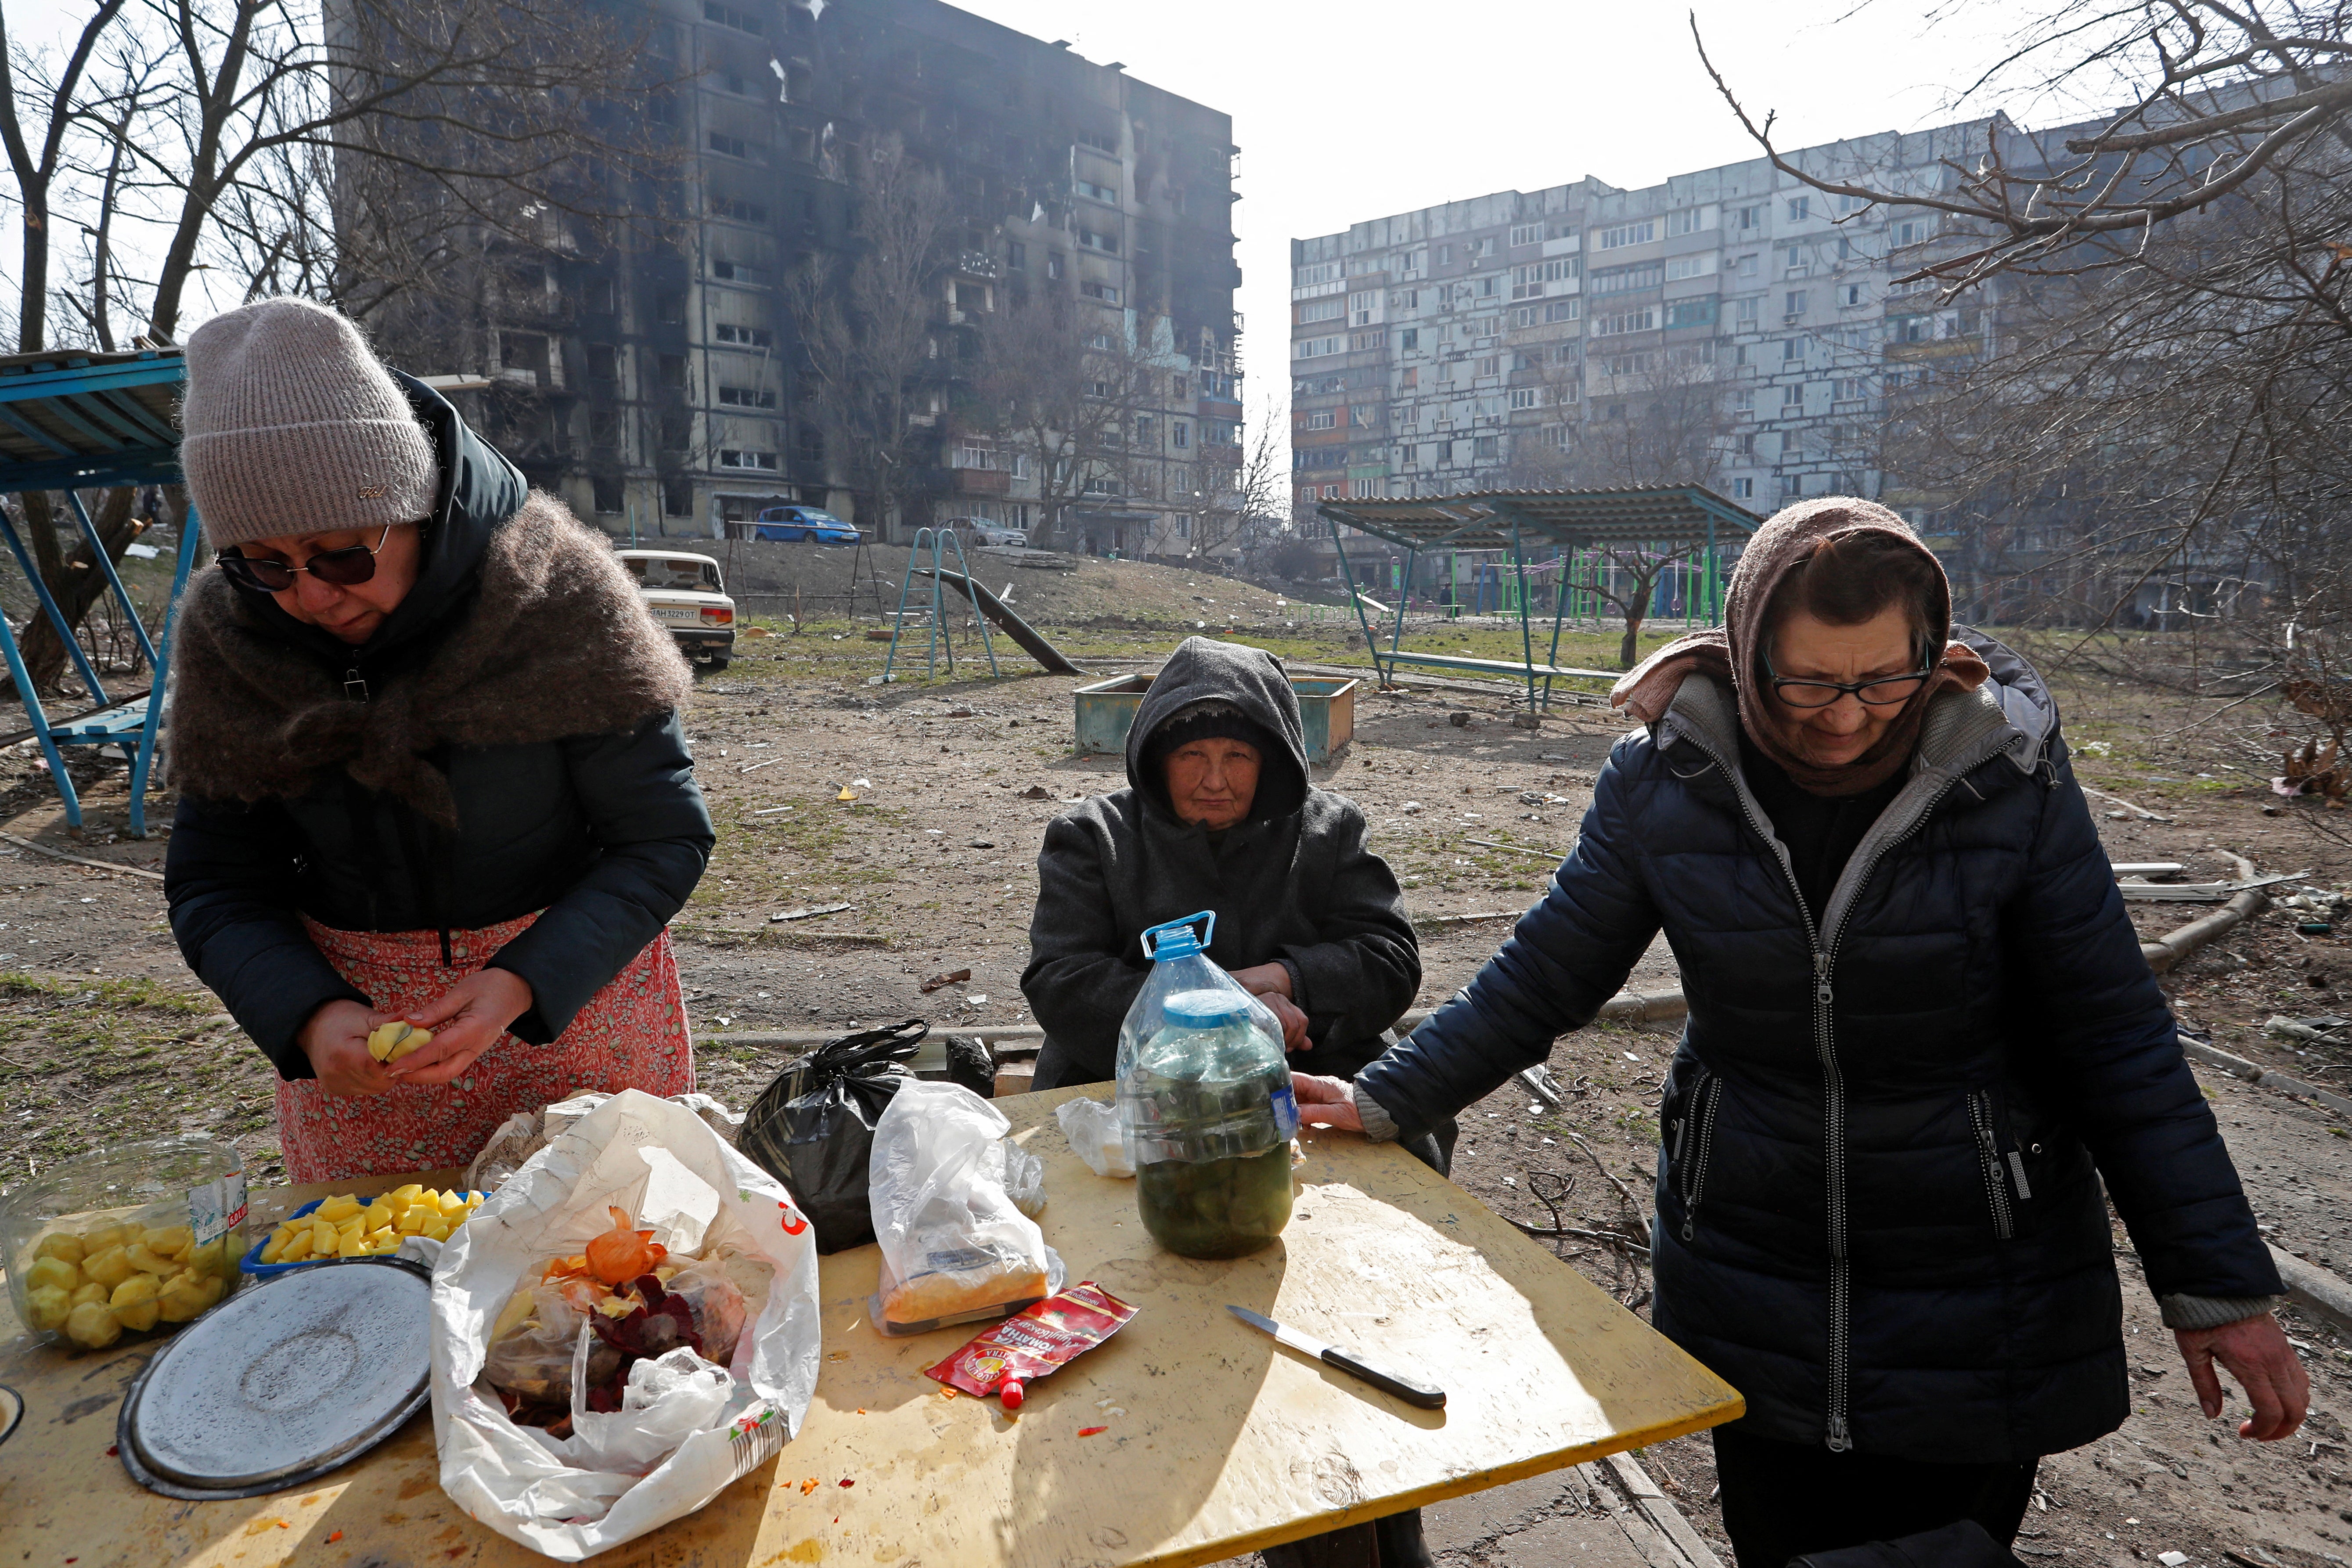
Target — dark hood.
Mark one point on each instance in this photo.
(1251, 680)
(479, 491)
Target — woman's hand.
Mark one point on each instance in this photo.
(1270, 983)
(465, 1020)
(1264, 980)
(1326, 1101)
(335, 1039)
(2255, 1351)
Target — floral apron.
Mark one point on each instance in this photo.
(631, 1035)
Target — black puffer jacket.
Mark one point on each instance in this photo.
(1879, 1206)
(603, 829)
(1294, 883)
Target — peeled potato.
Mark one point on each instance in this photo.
(334, 1211)
(135, 1303)
(181, 1298)
(92, 1325)
(274, 1250)
(98, 1239)
(212, 1257)
(392, 1041)
(110, 1268)
(147, 1261)
(401, 1197)
(171, 1241)
(297, 1250)
(91, 1290)
(47, 1308)
(53, 1272)
(63, 1247)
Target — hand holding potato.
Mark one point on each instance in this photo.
(464, 1021)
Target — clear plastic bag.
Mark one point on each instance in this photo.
(1092, 1127)
(955, 1246)
(1205, 1106)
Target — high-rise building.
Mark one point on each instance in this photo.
(1730, 327)
(651, 371)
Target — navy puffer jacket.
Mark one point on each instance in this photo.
(1879, 1206)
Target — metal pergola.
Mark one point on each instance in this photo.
(1513, 521)
(73, 421)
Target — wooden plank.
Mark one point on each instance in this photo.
(1498, 666)
(1221, 1443)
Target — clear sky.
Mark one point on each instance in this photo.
(1350, 111)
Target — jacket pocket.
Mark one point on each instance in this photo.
(1694, 1146)
(2001, 1171)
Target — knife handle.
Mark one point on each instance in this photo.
(1419, 1394)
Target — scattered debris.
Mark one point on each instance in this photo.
(1035, 792)
(940, 982)
(1459, 720)
(810, 913)
(981, 843)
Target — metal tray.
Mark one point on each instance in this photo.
(283, 1382)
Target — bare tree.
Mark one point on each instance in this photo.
(1250, 483)
(2219, 94)
(1060, 381)
(872, 326)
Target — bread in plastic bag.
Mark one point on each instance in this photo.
(955, 1247)
(671, 1446)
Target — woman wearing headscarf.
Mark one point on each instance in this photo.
(1921, 1036)
(426, 739)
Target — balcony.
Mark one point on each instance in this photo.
(981, 482)
(978, 264)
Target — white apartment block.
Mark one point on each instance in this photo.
(1496, 342)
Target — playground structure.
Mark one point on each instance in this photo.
(73, 421)
(988, 609)
(1581, 528)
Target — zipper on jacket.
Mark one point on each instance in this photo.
(1697, 1145)
(355, 685)
(1996, 1179)
(1838, 1433)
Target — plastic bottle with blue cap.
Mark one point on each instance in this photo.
(1204, 1102)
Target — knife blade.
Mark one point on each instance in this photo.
(1411, 1393)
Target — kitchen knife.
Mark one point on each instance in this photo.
(1411, 1393)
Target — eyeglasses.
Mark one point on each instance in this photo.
(345, 568)
(1880, 692)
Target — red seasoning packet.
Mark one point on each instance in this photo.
(1034, 1341)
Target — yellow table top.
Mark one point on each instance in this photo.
(1216, 1441)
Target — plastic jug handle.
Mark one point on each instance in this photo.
(1161, 937)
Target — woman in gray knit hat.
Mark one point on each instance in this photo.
(426, 740)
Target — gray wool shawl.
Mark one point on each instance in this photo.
(555, 641)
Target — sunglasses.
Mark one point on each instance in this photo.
(344, 568)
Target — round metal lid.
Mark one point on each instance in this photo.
(12, 1410)
(283, 1382)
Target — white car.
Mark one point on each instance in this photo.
(978, 531)
(689, 599)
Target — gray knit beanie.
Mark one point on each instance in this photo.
(291, 426)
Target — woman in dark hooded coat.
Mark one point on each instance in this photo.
(1219, 813)
(1924, 1051)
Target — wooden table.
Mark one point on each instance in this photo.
(1216, 1441)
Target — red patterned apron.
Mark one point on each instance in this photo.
(631, 1035)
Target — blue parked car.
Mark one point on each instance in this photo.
(804, 525)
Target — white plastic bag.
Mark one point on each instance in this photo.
(1092, 1127)
(955, 1247)
(526, 1132)
(676, 1445)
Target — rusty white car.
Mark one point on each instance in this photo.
(689, 599)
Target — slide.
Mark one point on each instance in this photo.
(1000, 615)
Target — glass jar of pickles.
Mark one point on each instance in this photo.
(1208, 1115)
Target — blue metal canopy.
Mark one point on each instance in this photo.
(72, 421)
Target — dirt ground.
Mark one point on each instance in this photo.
(103, 1035)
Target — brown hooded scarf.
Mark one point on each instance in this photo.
(1734, 652)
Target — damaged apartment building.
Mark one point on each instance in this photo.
(652, 372)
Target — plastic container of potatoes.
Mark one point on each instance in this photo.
(135, 1239)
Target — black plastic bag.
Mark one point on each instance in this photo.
(812, 1127)
(970, 1064)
